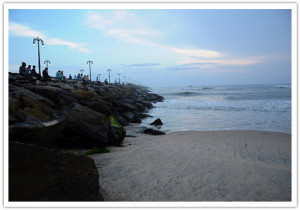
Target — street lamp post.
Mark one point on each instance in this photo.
(119, 78)
(108, 70)
(38, 41)
(89, 62)
(81, 70)
(46, 63)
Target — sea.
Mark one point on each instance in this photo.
(231, 107)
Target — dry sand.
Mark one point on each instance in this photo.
(198, 166)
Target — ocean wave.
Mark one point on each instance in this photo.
(186, 93)
(227, 108)
(283, 86)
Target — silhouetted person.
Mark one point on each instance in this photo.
(33, 73)
(23, 71)
(105, 82)
(46, 75)
(28, 69)
(78, 77)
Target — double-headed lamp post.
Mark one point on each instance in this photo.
(46, 63)
(89, 63)
(81, 70)
(108, 70)
(38, 41)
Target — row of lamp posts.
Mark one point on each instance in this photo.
(89, 62)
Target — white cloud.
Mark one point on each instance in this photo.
(123, 26)
(213, 62)
(200, 58)
(197, 52)
(76, 46)
(21, 30)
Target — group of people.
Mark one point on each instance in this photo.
(60, 74)
(31, 73)
(83, 78)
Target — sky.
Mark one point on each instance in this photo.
(157, 47)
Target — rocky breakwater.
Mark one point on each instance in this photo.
(52, 115)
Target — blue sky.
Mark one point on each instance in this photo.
(158, 47)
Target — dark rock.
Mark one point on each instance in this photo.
(146, 104)
(141, 129)
(153, 132)
(42, 174)
(89, 128)
(37, 132)
(157, 122)
(101, 106)
(142, 115)
(131, 117)
(49, 92)
(129, 107)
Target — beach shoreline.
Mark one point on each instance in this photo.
(229, 165)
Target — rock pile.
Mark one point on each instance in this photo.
(47, 115)
(74, 115)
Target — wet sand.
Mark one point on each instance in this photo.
(198, 166)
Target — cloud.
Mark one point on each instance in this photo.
(201, 58)
(126, 26)
(143, 65)
(197, 52)
(122, 25)
(210, 63)
(76, 46)
(21, 30)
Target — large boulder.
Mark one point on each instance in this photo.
(85, 128)
(42, 174)
(49, 92)
(37, 132)
(99, 105)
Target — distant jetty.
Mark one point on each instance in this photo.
(46, 116)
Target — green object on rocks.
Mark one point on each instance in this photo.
(114, 122)
(117, 131)
(96, 150)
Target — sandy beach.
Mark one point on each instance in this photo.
(198, 166)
